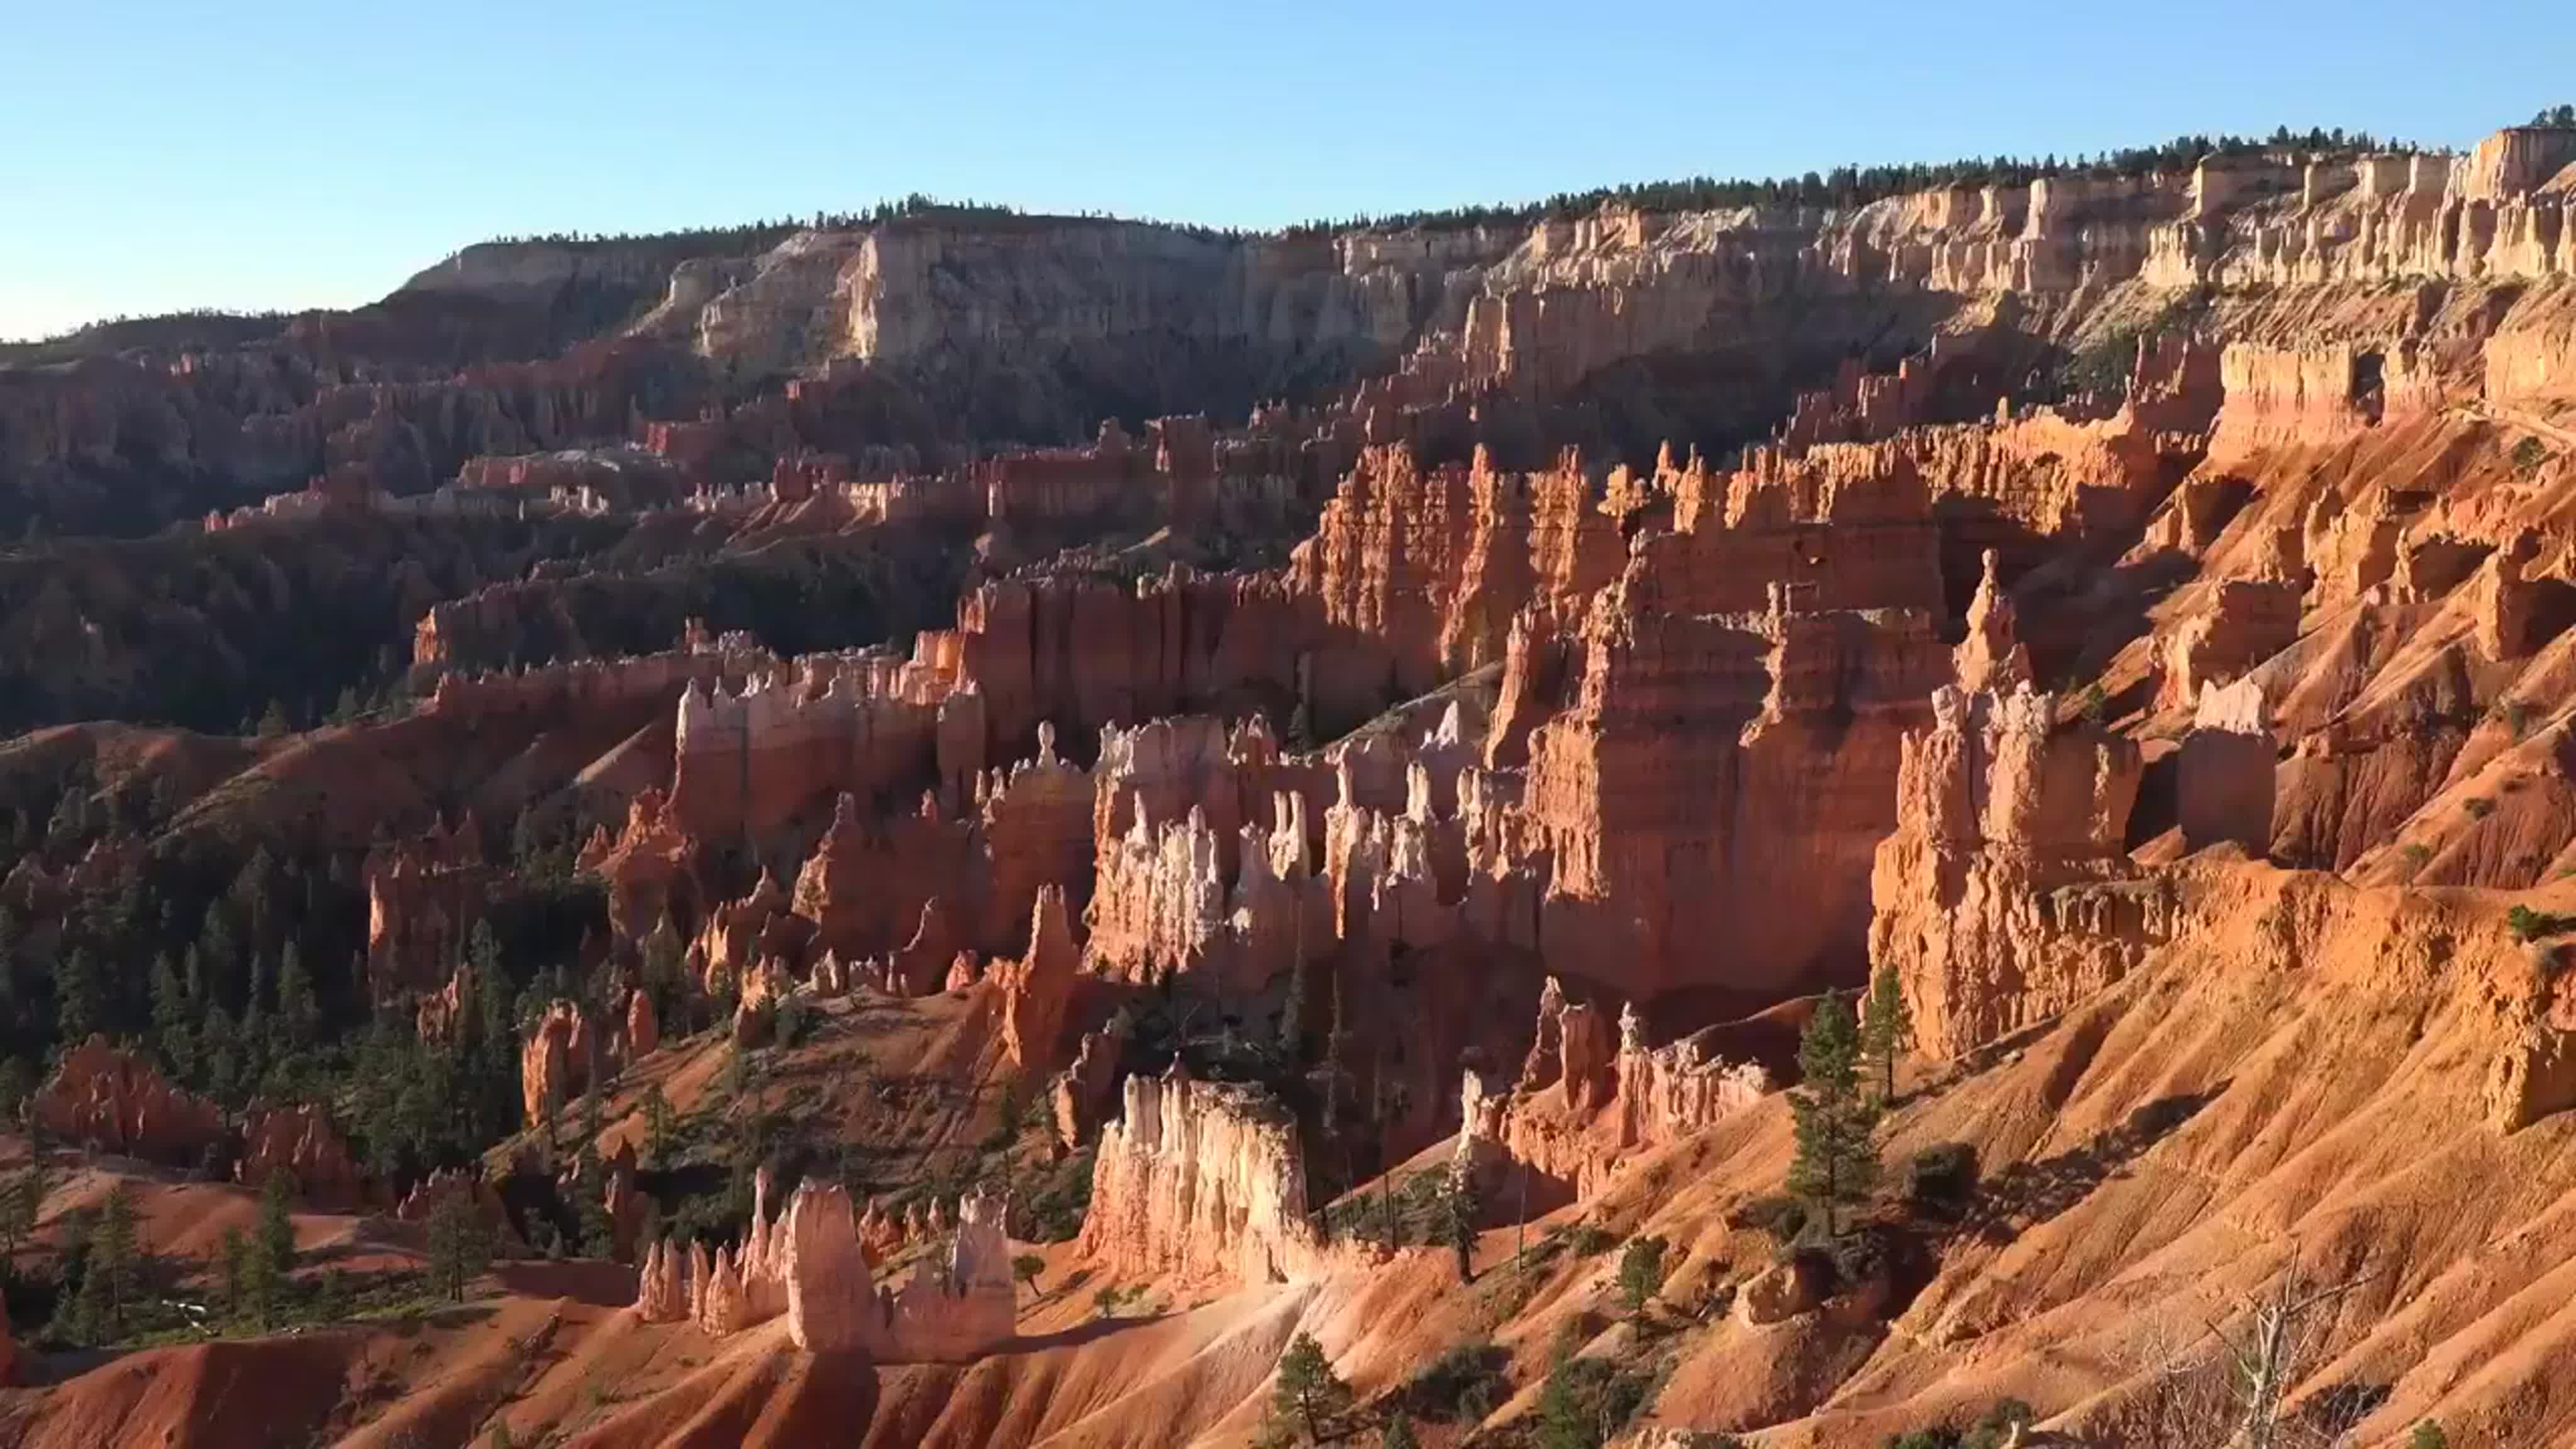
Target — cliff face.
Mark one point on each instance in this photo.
(2003, 896)
(1199, 1182)
(1685, 733)
(1583, 1109)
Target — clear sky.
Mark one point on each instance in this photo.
(163, 154)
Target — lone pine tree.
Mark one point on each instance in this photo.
(1837, 1122)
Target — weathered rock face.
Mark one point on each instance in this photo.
(643, 1032)
(558, 1062)
(2243, 623)
(104, 1095)
(1991, 657)
(2384, 218)
(2224, 785)
(1200, 1181)
(811, 1264)
(2003, 896)
(1582, 1127)
(302, 1143)
(1689, 736)
(1084, 1093)
(422, 900)
(1419, 575)
(829, 1294)
(650, 868)
(1035, 989)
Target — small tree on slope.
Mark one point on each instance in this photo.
(1837, 1158)
(1309, 1394)
(1886, 1031)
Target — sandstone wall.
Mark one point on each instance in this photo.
(2003, 895)
(1199, 1182)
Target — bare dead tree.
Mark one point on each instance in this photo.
(2229, 1385)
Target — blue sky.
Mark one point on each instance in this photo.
(165, 155)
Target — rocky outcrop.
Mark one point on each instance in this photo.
(2224, 777)
(2239, 624)
(2003, 895)
(1584, 1125)
(1083, 1094)
(811, 1266)
(1686, 738)
(1991, 657)
(649, 866)
(1199, 1181)
(1036, 988)
(643, 1032)
(423, 899)
(2383, 218)
(108, 1098)
(559, 1061)
(303, 1144)
(829, 1295)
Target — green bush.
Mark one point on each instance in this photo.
(1784, 1218)
(1587, 1401)
(2529, 925)
(2528, 455)
(1943, 1175)
(2478, 806)
(1591, 1240)
(1641, 1271)
(1462, 1385)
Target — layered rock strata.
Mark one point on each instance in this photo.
(2004, 895)
(1200, 1181)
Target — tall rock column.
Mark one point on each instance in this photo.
(2224, 788)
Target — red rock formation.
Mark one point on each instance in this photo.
(2241, 623)
(742, 935)
(1199, 1181)
(425, 1196)
(2224, 784)
(422, 902)
(1991, 657)
(1687, 738)
(1036, 824)
(1419, 576)
(864, 886)
(829, 1294)
(812, 1266)
(1036, 988)
(106, 1096)
(302, 1143)
(2003, 895)
(1084, 1092)
(558, 1062)
(650, 868)
(643, 1033)
(1600, 1117)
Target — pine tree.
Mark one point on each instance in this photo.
(1887, 1032)
(116, 1260)
(1309, 1394)
(1458, 1220)
(1398, 1433)
(657, 1125)
(233, 1261)
(173, 1021)
(272, 721)
(299, 1012)
(276, 1237)
(78, 1007)
(1837, 1154)
(460, 1245)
